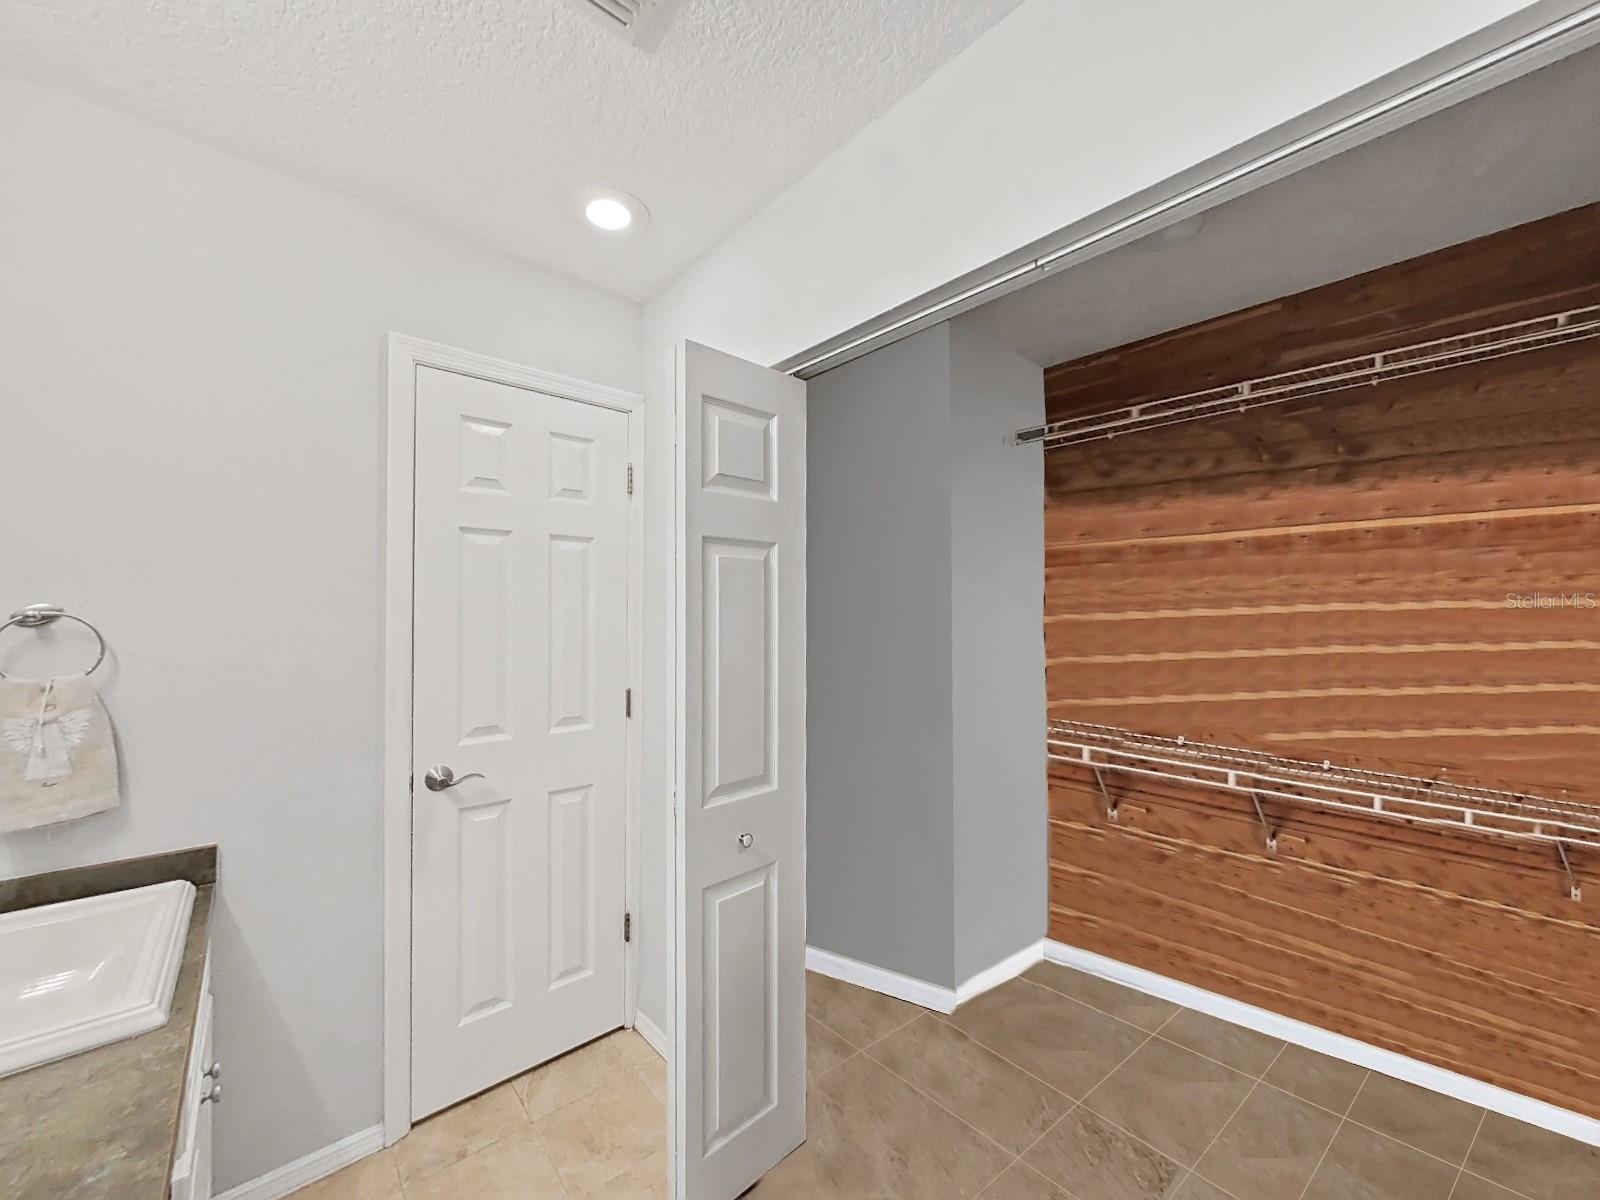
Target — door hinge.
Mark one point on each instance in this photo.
(627, 927)
(627, 702)
(630, 479)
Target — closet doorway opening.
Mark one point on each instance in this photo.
(512, 753)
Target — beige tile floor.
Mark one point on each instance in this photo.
(592, 1123)
(1056, 1086)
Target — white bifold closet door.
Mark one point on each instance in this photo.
(520, 640)
(739, 1093)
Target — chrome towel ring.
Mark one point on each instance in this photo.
(35, 615)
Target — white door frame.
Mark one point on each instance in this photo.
(406, 355)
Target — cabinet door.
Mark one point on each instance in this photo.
(191, 1169)
(203, 1108)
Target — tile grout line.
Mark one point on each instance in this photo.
(1180, 1009)
(810, 1079)
(931, 1100)
(1045, 987)
(988, 1049)
(984, 1190)
(1402, 1142)
(921, 1012)
(1202, 1054)
(893, 1074)
(1464, 1173)
(1343, 1115)
(855, 1050)
(538, 1136)
(1128, 1133)
(1237, 1109)
(532, 1129)
(1155, 1033)
(1071, 1108)
(1148, 1035)
(1077, 1104)
(1385, 1134)
(1337, 1129)
(858, 1052)
(1462, 1170)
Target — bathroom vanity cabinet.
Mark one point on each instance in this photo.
(131, 1119)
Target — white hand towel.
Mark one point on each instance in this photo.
(58, 759)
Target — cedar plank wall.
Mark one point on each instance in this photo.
(1328, 579)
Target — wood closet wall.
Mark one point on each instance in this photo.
(1330, 579)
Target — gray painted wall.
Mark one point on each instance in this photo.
(881, 875)
(997, 535)
(926, 826)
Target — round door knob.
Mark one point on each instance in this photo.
(746, 840)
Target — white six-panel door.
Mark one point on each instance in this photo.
(520, 642)
(739, 1086)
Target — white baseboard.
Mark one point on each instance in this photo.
(1004, 971)
(319, 1164)
(1374, 1058)
(919, 991)
(651, 1032)
(881, 979)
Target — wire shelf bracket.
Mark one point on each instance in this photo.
(1112, 810)
(1482, 345)
(1574, 889)
(1409, 799)
(1266, 826)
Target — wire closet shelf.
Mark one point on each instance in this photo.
(1488, 812)
(1480, 345)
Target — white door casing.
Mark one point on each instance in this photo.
(739, 1084)
(520, 619)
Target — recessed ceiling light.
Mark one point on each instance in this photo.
(613, 211)
(606, 213)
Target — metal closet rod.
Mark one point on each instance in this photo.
(1480, 345)
(1576, 26)
(1412, 799)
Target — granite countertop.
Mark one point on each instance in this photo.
(103, 1125)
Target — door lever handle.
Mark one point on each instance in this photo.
(439, 778)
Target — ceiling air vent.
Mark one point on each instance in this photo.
(637, 21)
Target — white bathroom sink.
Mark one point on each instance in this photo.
(83, 973)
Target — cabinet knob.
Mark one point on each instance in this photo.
(214, 1071)
(213, 1095)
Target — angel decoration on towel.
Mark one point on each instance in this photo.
(47, 739)
(58, 753)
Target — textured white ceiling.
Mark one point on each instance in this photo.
(1525, 150)
(487, 116)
